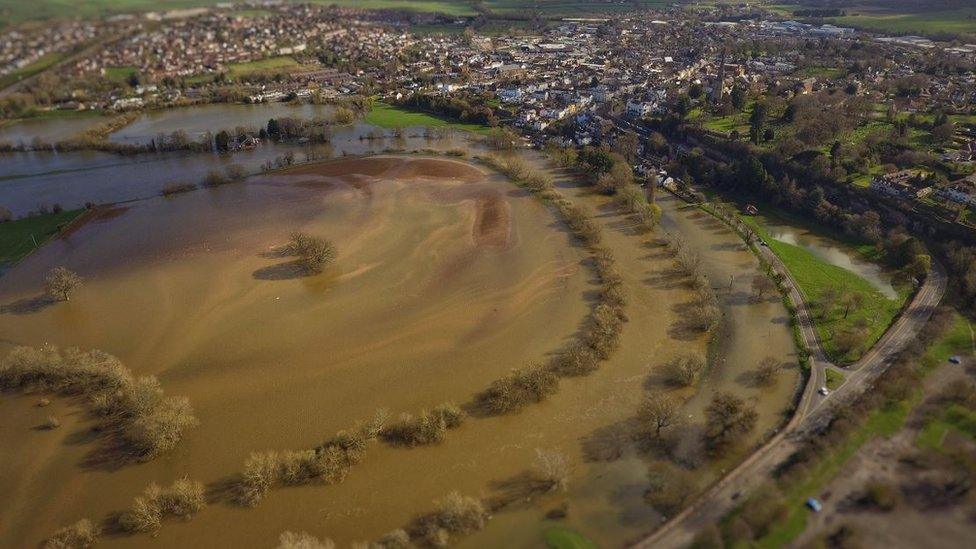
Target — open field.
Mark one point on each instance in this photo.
(19, 238)
(390, 116)
(933, 23)
(36, 67)
(271, 64)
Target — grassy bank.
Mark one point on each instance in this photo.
(817, 278)
(389, 116)
(19, 238)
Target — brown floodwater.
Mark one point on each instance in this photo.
(447, 278)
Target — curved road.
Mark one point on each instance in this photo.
(813, 410)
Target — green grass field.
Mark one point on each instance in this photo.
(814, 276)
(389, 116)
(40, 65)
(271, 64)
(119, 74)
(936, 23)
(17, 238)
(564, 538)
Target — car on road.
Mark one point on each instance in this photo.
(955, 359)
(824, 390)
(814, 505)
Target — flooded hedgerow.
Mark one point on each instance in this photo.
(144, 422)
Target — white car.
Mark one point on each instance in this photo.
(824, 391)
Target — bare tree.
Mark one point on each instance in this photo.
(761, 284)
(827, 301)
(768, 370)
(313, 253)
(727, 417)
(850, 300)
(658, 412)
(61, 282)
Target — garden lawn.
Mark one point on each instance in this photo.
(17, 238)
(389, 116)
(815, 276)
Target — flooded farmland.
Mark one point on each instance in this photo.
(447, 278)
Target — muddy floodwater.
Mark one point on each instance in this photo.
(197, 120)
(25, 132)
(447, 278)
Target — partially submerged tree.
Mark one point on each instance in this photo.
(61, 282)
(726, 418)
(656, 413)
(684, 370)
(768, 370)
(313, 252)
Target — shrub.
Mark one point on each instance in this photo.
(603, 334)
(880, 495)
(578, 360)
(183, 499)
(303, 540)
(177, 188)
(684, 370)
(517, 389)
(79, 535)
(551, 470)
(427, 428)
(214, 179)
(397, 539)
(329, 463)
(455, 514)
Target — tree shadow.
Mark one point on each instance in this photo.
(684, 328)
(608, 443)
(289, 270)
(28, 305)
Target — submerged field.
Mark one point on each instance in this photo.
(447, 277)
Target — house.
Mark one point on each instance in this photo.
(639, 109)
(962, 191)
(900, 184)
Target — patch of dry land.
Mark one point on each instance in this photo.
(447, 277)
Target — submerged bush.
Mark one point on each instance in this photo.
(455, 515)
(684, 370)
(328, 463)
(79, 535)
(578, 360)
(429, 427)
(517, 389)
(313, 252)
(134, 409)
(303, 540)
(183, 499)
